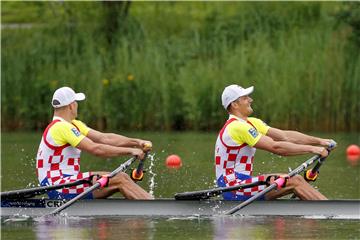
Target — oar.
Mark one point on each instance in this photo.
(276, 184)
(99, 183)
(31, 192)
(205, 194)
(138, 173)
(312, 174)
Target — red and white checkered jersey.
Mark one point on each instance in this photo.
(234, 151)
(57, 157)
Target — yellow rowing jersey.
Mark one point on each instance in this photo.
(247, 131)
(72, 133)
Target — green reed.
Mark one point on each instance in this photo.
(168, 64)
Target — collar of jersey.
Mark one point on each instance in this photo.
(237, 118)
(59, 118)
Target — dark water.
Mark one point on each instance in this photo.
(338, 180)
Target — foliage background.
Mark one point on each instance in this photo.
(163, 65)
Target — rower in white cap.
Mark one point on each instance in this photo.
(242, 135)
(58, 157)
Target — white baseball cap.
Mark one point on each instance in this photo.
(64, 96)
(233, 92)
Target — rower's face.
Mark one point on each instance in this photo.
(244, 105)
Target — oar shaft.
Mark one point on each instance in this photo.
(122, 167)
(205, 194)
(27, 193)
(303, 166)
(318, 165)
(274, 185)
(97, 185)
(78, 197)
(250, 200)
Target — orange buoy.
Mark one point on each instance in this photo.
(173, 161)
(353, 154)
(353, 150)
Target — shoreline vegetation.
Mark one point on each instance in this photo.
(163, 65)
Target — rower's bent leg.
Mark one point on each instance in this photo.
(305, 191)
(300, 187)
(122, 183)
(129, 188)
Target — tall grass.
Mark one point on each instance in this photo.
(171, 61)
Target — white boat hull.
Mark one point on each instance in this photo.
(170, 207)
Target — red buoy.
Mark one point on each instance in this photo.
(353, 154)
(173, 161)
(353, 150)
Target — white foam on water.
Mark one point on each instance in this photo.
(339, 217)
(193, 217)
(152, 174)
(61, 218)
(17, 218)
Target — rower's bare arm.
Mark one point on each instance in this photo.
(288, 148)
(296, 137)
(117, 140)
(104, 150)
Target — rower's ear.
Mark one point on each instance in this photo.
(72, 106)
(231, 106)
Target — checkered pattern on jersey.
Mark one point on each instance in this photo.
(56, 165)
(254, 190)
(74, 189)
(231, 164)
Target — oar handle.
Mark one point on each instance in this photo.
(138, 173)
(311, 175)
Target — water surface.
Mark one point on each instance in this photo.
(186, 228)
(337, 180)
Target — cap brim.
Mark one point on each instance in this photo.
(248, 91)
(79, 96)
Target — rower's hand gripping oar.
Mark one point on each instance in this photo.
(138, 173)
(278, 183)
(312, 174)
(205, 194)
(99, 183)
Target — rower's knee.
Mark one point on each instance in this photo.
(121, 178)
(297, 181)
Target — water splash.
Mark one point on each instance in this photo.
(61, 218)
(17, 218)
(152, 174)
